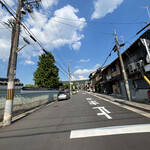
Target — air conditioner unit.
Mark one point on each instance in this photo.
(132, 67)
(139, 64)
(108, 77)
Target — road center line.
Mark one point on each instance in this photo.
(113, 130)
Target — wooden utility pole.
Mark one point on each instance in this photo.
(7, 119)
(122, 68)
(12, 70)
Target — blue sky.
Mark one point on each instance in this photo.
(77, 30)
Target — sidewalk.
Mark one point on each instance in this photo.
(138, 105)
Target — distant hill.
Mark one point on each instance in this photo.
(78, 81)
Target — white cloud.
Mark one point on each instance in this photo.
(10, 2)
(27, 62)
(54, 32)
(80, 77)
(84, 60)
(50, 32)
(76, 45)
(4, 48)
(49, 3)
(5, 35)
(86, 71)
(103, 7)
(96, 66)
(73, 78)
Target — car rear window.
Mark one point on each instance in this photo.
(62, 92)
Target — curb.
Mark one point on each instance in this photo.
(143, 107)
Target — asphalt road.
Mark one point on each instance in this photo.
(61, 126)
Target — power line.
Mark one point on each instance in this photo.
(56, 41)
(44, 49)
(58, 34)
(28, 30)
(83, 28)
(40, 44)
(99, 22)
(34, 38)
(59, 57)
(9, 7)
(61, 67)
(107, 58)
(63, 74)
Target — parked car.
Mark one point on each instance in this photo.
(62, 95)
(88, 90)
(74, 92)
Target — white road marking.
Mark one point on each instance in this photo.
(93, 102)
(114, 130)
(143, 113)
(104, 112)
(88, 99)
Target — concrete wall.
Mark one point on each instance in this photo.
(141, 94)
(24, 101)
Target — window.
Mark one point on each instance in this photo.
(113, 69)
(141, 84)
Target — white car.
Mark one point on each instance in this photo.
(88, 90)
(62, 95)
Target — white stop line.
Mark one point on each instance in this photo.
(113, 130)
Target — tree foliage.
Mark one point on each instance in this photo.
(46, 74)
(31, 85)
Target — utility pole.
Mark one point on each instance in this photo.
(12, 70)
(122, 67)
(69, 75)
(7, 119)
(147, 8)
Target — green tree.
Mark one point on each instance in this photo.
(31, 85)
(46, 74)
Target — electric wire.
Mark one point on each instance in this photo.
(55, 52)
(83, 28)
(88, 21)
(64, 74)
(31, 44)
(57, 56)
(58, 63)
(29, 32)
(58, 34)
(40, 44)
(35, 48)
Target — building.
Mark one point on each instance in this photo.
(92, 77)
(136, 61)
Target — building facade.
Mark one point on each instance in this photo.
(137, 62)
